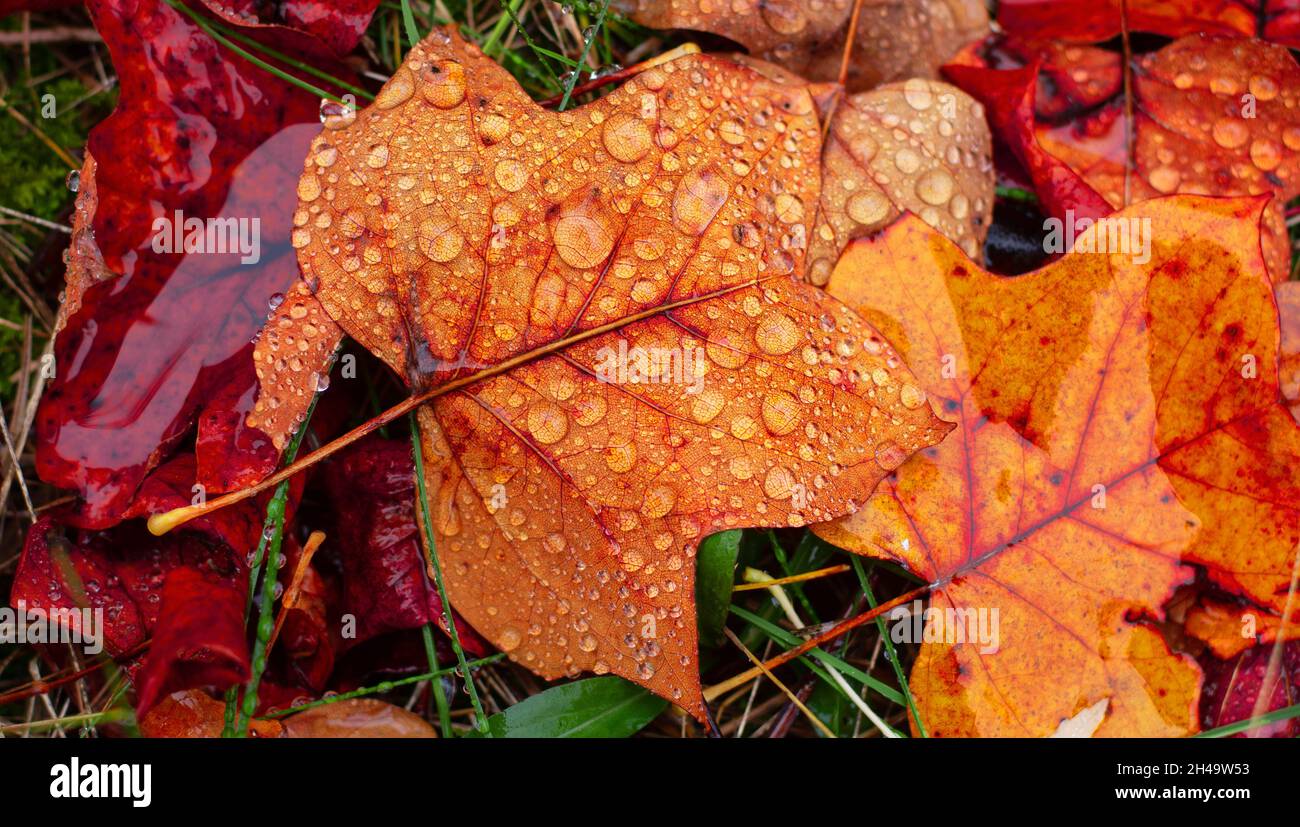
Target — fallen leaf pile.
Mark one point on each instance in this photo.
(1212, 116)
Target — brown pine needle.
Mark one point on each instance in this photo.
(848, 42)
(794, 578)
(72, 163)
(292, 593)
(45, 685)
(794, 699)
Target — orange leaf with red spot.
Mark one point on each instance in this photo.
(608, 307)
(1118, 422)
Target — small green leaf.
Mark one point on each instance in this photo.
(606, 707)
(715, 573)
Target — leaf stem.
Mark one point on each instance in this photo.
(160, 524)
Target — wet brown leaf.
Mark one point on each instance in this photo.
(895, 39)
(920, 146)
(357, 718)
(196, 714)
(541, 272)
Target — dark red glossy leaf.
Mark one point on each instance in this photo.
(154, 341)
(172, 486)
(120, 571)
(1091, 21)
(8, 7)
(385, 586)
(338, 24)
(1232, 688)
(199, 639)
(183, 592)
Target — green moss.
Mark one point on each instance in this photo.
(33, 178)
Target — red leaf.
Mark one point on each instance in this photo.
(1071, 78)
(8, 7)
(338, 24)
(372, 487)
(1091, 21)
(198, 133)
(1232, 689)
(1008, 98)
(199, 640)
(122, 570)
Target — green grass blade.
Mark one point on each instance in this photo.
(889, 645)
(212, 31)
(408, 20)
(380, 688)
(480, 721)
(1283, 714)
(582, 59)
(785, 638)
(272, 526)
(439, 694)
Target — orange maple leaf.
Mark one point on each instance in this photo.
(517, 266)
(1118, 420)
